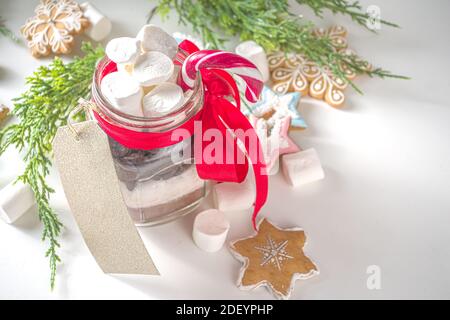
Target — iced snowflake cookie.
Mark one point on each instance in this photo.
(323, 84)
(273, 258)
(336, 34)
(288, 73)
(52, 28)
(294, 72)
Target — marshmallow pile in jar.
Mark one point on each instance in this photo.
(141, 94)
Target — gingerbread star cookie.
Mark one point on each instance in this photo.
(273, 258)
(52, 28)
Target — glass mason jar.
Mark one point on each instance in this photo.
(156, 188)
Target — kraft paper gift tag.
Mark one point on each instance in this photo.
(92, 189)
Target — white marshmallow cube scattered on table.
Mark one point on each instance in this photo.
(154, 38)
(230, 196)
(302, 167)
(152, 68)
(123, 50)
(100, 26)
(123, 92)
(15, 200)
(163, 99)
(210, 230)
(256, 54)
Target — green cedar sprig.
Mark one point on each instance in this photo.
(273, 26)
(5, 31)
(52, 92)
(344, 7)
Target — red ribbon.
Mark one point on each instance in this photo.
(220, 114)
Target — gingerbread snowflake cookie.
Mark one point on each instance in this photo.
(323, 84)
(52, 28)
(336, 34)
(273, 258)
(288, 73)
(294, 72)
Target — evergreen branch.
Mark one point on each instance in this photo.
(344, 7)
(5, 31)
(273, 26)
(53, 91)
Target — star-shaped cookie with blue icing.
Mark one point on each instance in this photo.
(273, 106)
(273, 258)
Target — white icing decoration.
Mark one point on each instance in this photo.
(274, 253)
(52, 26)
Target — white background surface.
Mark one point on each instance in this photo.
(385, 200)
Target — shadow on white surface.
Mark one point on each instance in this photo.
(28, 221)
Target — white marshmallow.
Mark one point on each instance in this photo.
(125, 67)
(229, 196)
(152, 68)
(210, 230)
(15, 200)
(302, 167)
(154, 38)
(148, 89)
(100, 26)
(123, 50)
(256, 54)
(165, 98)
(123, 92)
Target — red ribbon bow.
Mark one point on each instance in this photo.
(219, 114)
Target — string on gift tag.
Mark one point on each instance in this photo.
(83, 105)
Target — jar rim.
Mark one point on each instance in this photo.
(172, 119)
